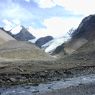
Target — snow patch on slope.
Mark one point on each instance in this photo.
(53, 44)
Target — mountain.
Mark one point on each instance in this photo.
(82, 35)
(4, 36)
(43, 40)
(80, 50)
(86, 28)
(22, 35)
(22, 50)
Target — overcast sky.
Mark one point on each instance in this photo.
(46, 17)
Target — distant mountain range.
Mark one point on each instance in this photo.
(22, 33)
(51, 45)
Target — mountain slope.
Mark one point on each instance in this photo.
(83, 56)
(86, 29)
(22, 50)
(83, 34)
(4, 37)
(81, 48)
(23, 35)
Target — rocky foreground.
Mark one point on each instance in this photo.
(25, 77)
(21, 72)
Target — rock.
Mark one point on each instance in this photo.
(35, 91)
(59, 49)
(12, 79)
(43, 74)
(43, 40)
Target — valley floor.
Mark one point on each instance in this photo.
(35, 72)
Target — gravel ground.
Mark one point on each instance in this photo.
(83, 85)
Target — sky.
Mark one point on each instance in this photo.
(45, 17)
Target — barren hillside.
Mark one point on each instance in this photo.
(4, 37)
(22, 50)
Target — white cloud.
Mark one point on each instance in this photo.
(8, 25)
(16, 21)
(45, 3)
(38, 32)
(81, 7)
(16, 13)
(16, 29)
(56, 27)
(7, 22)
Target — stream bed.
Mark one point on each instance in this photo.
(42, 89)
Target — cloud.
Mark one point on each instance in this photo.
(37, 32)
(15, 12)
(56, 27)
(13, 15)
(16, 21)
(45, 3)
(16, 30)
(81, 7)
(8, 25)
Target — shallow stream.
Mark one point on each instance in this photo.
(43, 88)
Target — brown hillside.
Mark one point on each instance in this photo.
(22, 50)
(4, 37)
(84, 56)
